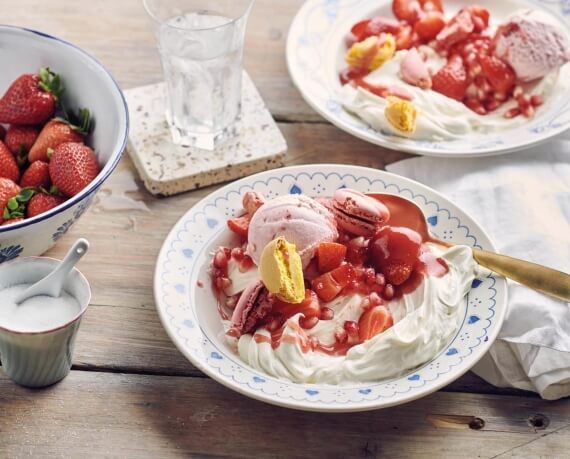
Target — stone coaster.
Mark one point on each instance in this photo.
(167, 169)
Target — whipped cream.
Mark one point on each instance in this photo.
(424, 322)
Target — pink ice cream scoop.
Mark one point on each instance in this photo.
(299, 219)
(357, 213)
(532, 48)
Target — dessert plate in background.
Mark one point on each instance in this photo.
(187, 305)
(315, 50)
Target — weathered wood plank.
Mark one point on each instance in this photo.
(101, 414)
(119, 34)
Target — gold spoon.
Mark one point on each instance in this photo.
(404, 212)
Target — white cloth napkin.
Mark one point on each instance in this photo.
(523, 201)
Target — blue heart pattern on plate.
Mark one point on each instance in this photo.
(473, 319)
(414, 378)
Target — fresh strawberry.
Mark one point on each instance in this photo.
(36, 176)
(407, 10)
(11, 221)
(326, 287)
(397, 272)
(451, 80)
(8, 189)
(429, 26)
(58, 131)
(375, 26)
(432, 5)
(8, 166)
(373, 322)
(309, 306)
(19, 139)
(330, 255)
(500, 74)
(31, 99)
(41, 203)
(72, 167)
(456, 30)
(240, 225)
(405, 38)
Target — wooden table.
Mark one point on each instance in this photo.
(132, 394)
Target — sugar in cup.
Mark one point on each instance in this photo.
(37, 336)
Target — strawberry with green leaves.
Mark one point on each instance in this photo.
(72, 167)
(31, 98)
(8, 190)
(56, 132)
(36, 176)
(8, 166)
(42, 202)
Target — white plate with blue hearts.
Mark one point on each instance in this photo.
(315, 50)
(188, 310)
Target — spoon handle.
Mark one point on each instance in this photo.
(546, 280)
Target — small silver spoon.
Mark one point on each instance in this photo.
(52, 284)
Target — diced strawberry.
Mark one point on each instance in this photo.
(375, 26)
(429, 26)
(309, 306)
(330, 255)
(374, 321)
(397, 272)
(352, 73)
(239, 225)
(326, 287)
(407, 10)
(500, 74)
(451, 80)
(458, 29)
(432, 5)
(343, 274)
(480, 17)
(405, 38)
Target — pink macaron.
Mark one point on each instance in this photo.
(253, 305)
(357, 213)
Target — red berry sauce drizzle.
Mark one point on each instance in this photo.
(392, 263)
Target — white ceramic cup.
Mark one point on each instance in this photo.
(40, 358)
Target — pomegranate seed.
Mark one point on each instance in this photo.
(500, 96)
(471, 91)
(481, 94)
(231, 301)
(273, 324)
(469, 49)
(517, 91)
(492, 104)
(375, 299)
(475, 70)
(470, 59)
(246, 264)
(365, 303)
(220, 259)
(512, 113)
(326, 313)
(523, 100)
(536, 100)
(479, 81)
(237, 253)
(351, 327)
(487, 86)
(341, 336)
(389, 292)
(380, 280)
(308, 322)
(369, 276)
(344, 238)
(528, 111)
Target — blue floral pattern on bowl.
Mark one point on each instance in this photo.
(202, 345)
(10, 252)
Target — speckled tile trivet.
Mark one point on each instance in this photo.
(167, 169)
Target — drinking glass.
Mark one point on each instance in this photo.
(201, 48)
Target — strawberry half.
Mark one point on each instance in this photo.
(240, 225)
(72, 167)
(451, 80)
(31, 99)
(429, 26)
(373, 322)
(397, 272)
(375, 26)
(456, 30)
